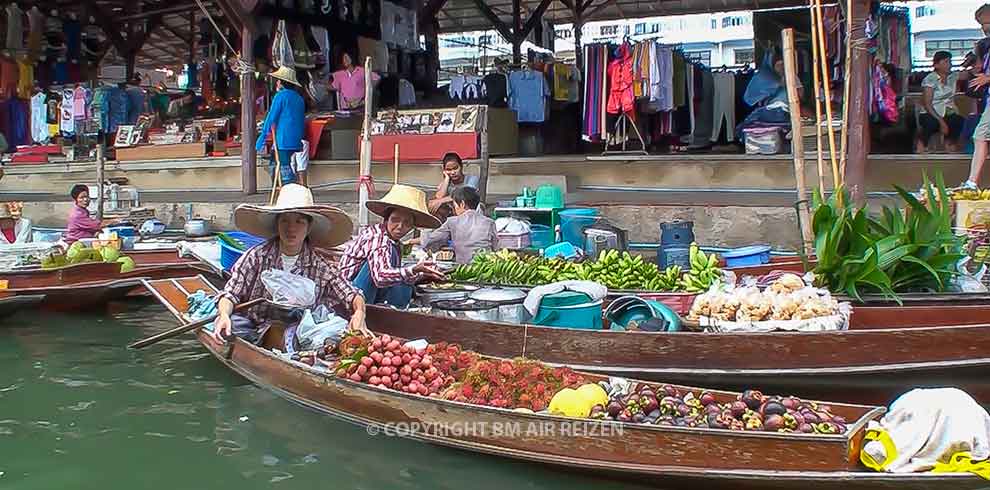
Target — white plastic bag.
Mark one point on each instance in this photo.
(288, 289)
(318, 326)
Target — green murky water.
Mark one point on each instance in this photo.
(80, 411)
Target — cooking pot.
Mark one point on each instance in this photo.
(603, 236)
(509, 301)
(469, 309)
(197, 227)
(428, 294)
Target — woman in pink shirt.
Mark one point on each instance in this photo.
(81, 225)
(349, 84)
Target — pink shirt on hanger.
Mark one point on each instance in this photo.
(79, 103)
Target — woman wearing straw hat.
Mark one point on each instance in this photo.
(13, 227)
(288, 116)
(294, 226)
(373, 261)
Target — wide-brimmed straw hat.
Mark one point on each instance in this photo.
(330, 226)
(409, 198)
(286, 74)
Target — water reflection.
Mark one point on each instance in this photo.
(79, 410)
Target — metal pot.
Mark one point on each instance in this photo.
(197, 227)
(603, 236)
(509, 301)
(428, 295)
(469, 309)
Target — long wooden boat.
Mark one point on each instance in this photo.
(867, 365)
(681, 457)
(11, 303)
(74, 287)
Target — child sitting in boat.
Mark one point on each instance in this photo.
(294, 227)
(469, 230)
(373, 260)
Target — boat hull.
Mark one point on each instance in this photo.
(11, 303)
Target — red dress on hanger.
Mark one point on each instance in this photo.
(620, 76)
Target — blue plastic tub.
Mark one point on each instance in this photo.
(540, 236)
(747, 256)
(229, 255)
(569, 309)
(123, 231)
(563, 250)
(573, 222)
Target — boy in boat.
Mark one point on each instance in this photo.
(294, 227)
(469, 230)
(373, 261)
(441, 205)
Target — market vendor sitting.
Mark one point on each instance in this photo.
(13, 227)
(80, 224)
(294, 228)
(373, 260)
(767, 92)
(469, 231)
(453, 177)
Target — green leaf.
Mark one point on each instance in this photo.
(922, 263)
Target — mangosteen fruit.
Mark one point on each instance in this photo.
(655, 414)
(713, 409)
(811, 417)
(707, 399)
(806, 428)
(639, 418)
(680, 422)
(683, 410)
(798, 418)
(840, 428)
(791, 403)
(738, 408)
(836, 419)
(669, 390)
(752, 398)
(624, 416)
(772, 408)
(598, 408)
(774, 423)
(614, 407)
(648, 403)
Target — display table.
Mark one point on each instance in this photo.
(162, 152)
(426, 135)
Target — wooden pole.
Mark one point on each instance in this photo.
(101, 161)
(818, 102)
(844, 139)
(249, 175)
(823, 59)
(797, 141)
(485, 161)
(858, 78)
(365, 162)
(395, 176)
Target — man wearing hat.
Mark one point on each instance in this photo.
(294, 226)
(287, 116)
(373, 261)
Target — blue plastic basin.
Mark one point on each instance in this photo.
(747, 256)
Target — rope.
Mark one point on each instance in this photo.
(368, 182)
(238, 65)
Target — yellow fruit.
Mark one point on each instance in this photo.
(569, 403)
(594, 393)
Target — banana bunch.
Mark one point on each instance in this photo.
(668, 280)
(971, 195)
(704, 271)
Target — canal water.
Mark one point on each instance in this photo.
(78, 410)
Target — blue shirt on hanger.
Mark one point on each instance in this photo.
(528, 92)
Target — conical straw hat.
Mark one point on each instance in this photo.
(408, 198)
(286, 74)
(330, 227)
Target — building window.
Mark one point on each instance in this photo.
(640, 28)
(703, 57)
(714, 26)
(485, 40)
(744, 56)
(563, 33)
(924, 11)
(958, 47)
(609, 30)
(654, 27)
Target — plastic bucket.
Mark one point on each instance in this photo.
(747, 256)
(229, 255)
(573, 222)
(540, 236)
(569, 309)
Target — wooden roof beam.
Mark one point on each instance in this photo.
(497, 23)
(596, 10)
(534, 18)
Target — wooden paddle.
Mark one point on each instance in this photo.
(175, 332)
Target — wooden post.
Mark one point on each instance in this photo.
(365, 162)
(485, 161)
(101, 161)
(818, 102)
(578, 49)
(859, 112)
(797, 141)
(249, 176)
(516, 30)
(395, 165)
(823, 59)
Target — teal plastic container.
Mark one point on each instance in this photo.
(540, 236)
(573, 222)
(549, 197)
(569, 309)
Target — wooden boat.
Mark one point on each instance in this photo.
(682, 457)
(10, 303)
(74, 287)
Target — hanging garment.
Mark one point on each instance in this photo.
(324, 63)
(662, 80)
(79, 103)
(466, 88)
(764, 84)
(9, 78)
(39, 118)
(886, 99)
(690, 97)
(496, 87)
(528, 92)
(641, 70)
(100, 109)
(117, 107)
(36, 29)
(620, 94)
(594, 84)
(15, 28)
(724, 105)
(73, 39)
(679, 81)
(705, 115)
(407, 93)
(25, 78)
(18, 122)
(378, 51)
(67, 119)
(281, 49)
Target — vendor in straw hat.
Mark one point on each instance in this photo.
(373, 261)
(13, 227)
(294, 226)
(287, 116)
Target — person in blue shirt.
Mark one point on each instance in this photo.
(287, 117)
